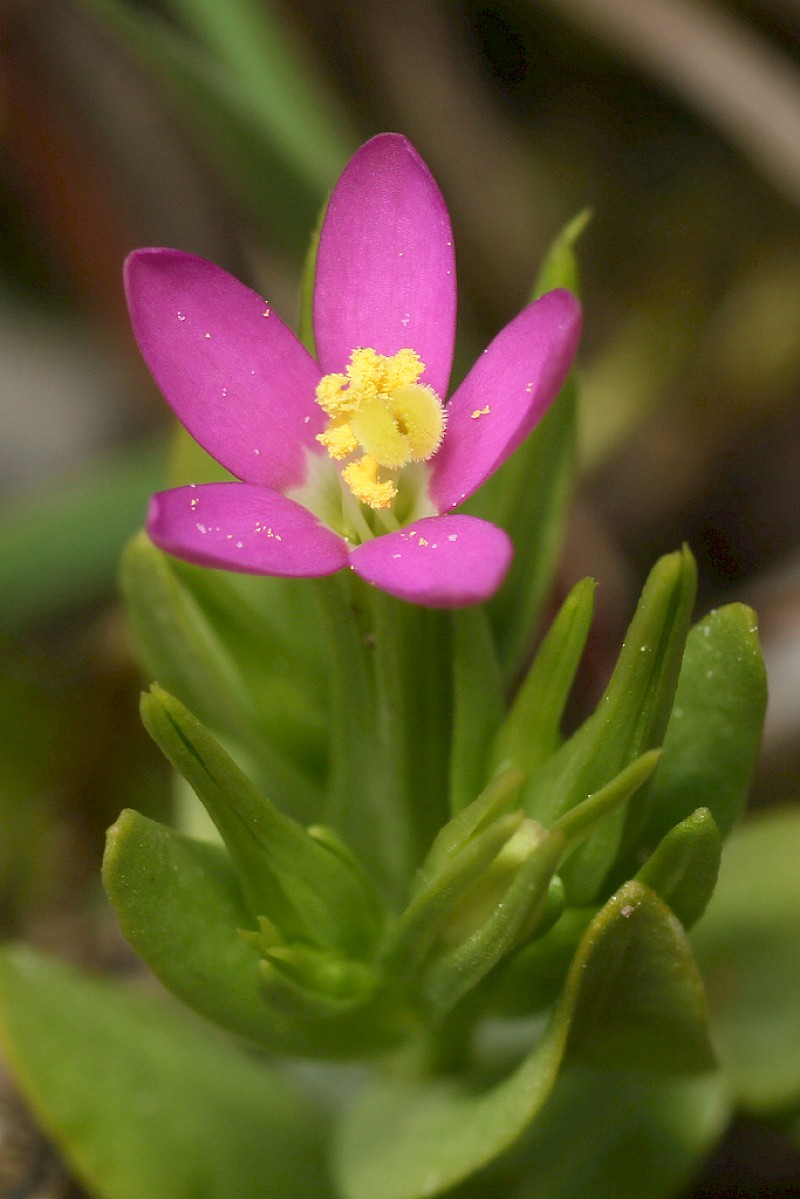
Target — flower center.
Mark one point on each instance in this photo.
(380, 420)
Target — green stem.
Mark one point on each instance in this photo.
(366, 797)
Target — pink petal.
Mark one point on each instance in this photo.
(237, 378)
(505, 395)
(386, 273)
(238, 526)
(438, 562)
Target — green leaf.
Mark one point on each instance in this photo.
(614, 1134)
(146, 1102)
(630, 718)
(189, 656)
(61, 546)
(306, 323)
(479, 704)
(713, 734)
(684, 867)
(640, 1002)
(309, 892)
(180, 906)
(510, 903)
(747, 946)
(632, 994)
(531, 731)
(560, 266)
(448, 890)
(528, 496)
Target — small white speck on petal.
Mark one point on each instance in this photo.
(181, 316)
(240, 545)
(202, 529)
(206, 335)
(452, 536)
(397, 555)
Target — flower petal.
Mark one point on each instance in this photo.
(505, 395)
(236, 376)
(438, 562)
(386, 273)
(238, 526)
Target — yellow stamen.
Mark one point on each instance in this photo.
(379, 407)
(362, 479)
(339, 440)
(332, 396)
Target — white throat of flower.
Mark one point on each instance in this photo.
(383, 426)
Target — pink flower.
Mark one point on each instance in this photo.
(353, 460)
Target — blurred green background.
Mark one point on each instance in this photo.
(218, 127)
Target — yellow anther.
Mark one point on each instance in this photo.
(362, 479)
(339, 440)
(379, 407)
(365, 370)
(332, 395)
(404, 368)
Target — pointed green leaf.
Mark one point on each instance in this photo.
(479, 704)
(641, 1002)
(496, 800)
(528, 496)
(318, 983)
(179, 905)
(630, 718)
(747, 946)
(309, 892)
(513, 914)
(684, 867)
(306, 322)
(497, 890)
(578, 823)
(713, 734)
(144, 1101)
(538, 478)
(180, 648)
(560, 265)
(531, 731)
(632, 994)
(451, 891)
(614, 1134)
